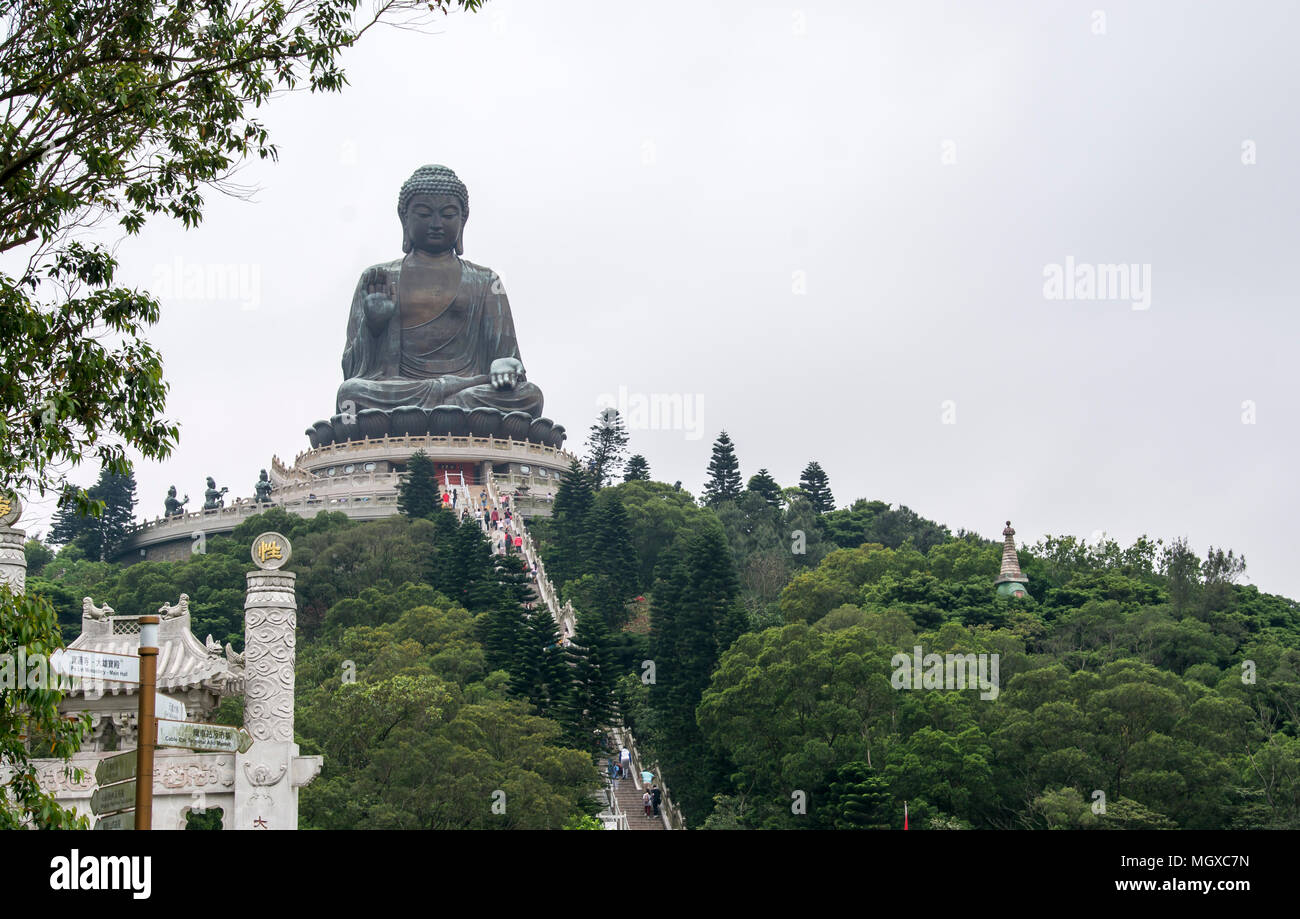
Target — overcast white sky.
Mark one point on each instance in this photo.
(655, 183)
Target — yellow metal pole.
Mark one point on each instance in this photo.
(147, 733)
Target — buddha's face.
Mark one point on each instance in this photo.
(433, 223)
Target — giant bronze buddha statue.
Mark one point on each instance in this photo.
(432, 329)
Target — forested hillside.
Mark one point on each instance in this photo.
(750, 642)
(1140, 686)
(420, 678)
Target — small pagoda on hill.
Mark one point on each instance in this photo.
(1011, 582)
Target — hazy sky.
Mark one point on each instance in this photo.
(827, 225)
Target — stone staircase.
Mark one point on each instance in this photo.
(627, 805)
(628, 796)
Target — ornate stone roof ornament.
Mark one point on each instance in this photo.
(90, 611)
(180, 608)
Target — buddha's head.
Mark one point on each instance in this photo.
(433, 206)
(171, 492)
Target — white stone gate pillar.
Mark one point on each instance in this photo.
(13, 561)
(266, 794)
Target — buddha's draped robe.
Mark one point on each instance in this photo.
(445, 361)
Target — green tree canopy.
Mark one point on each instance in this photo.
(127, 109)
(763, 485)
(417, 492)
(98, 535)
(724, 472)
(606, 445)
(637, 469)
(816, 485)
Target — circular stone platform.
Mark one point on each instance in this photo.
(360, 478)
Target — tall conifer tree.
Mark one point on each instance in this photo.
(724, 473)
(611, 549)
(594, 678)
(817, 486)
(569, 556)
(417, 492)
(98, 537)
(606, 445)
(766, 487)
(696, 616)
(637, 469)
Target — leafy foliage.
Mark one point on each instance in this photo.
(127, 109)
(30, 723)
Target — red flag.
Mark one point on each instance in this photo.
(904, 815)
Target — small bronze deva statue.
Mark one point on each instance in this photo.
(262, 489)
(213, 498)
(173, 507)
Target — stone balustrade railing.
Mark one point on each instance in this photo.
(451, 443)
(230, 516)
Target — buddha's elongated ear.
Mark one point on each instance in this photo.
(406, 240)
(460, 240)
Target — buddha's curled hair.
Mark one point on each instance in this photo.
(432, 180)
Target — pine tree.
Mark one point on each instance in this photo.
(502, 629)
(696, 616)
(463, 568)
(724, 473)
(512, 579)
(99, 537)
(118, 492)
(670, 585)
(417, 492)
(817, 486)
(637, 469)
(569, 557)
(476, 574)
(594, 678)
(763, 485)
(857, 798)
(606, 445)
(547, 679)
(611, 549)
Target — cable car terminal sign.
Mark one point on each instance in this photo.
(209, 738)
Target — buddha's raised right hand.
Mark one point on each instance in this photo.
(381, 298)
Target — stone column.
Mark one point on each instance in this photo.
(265, 794)
(13, 561)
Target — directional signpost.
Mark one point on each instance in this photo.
(210, 738)
(116, 768)
(146, 721)
(122, 821)
(115, 775)
(110, 798)
(165, 707)
(96, 665)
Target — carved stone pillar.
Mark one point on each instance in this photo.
(270, 620)
(13, 562)
(268, 776)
